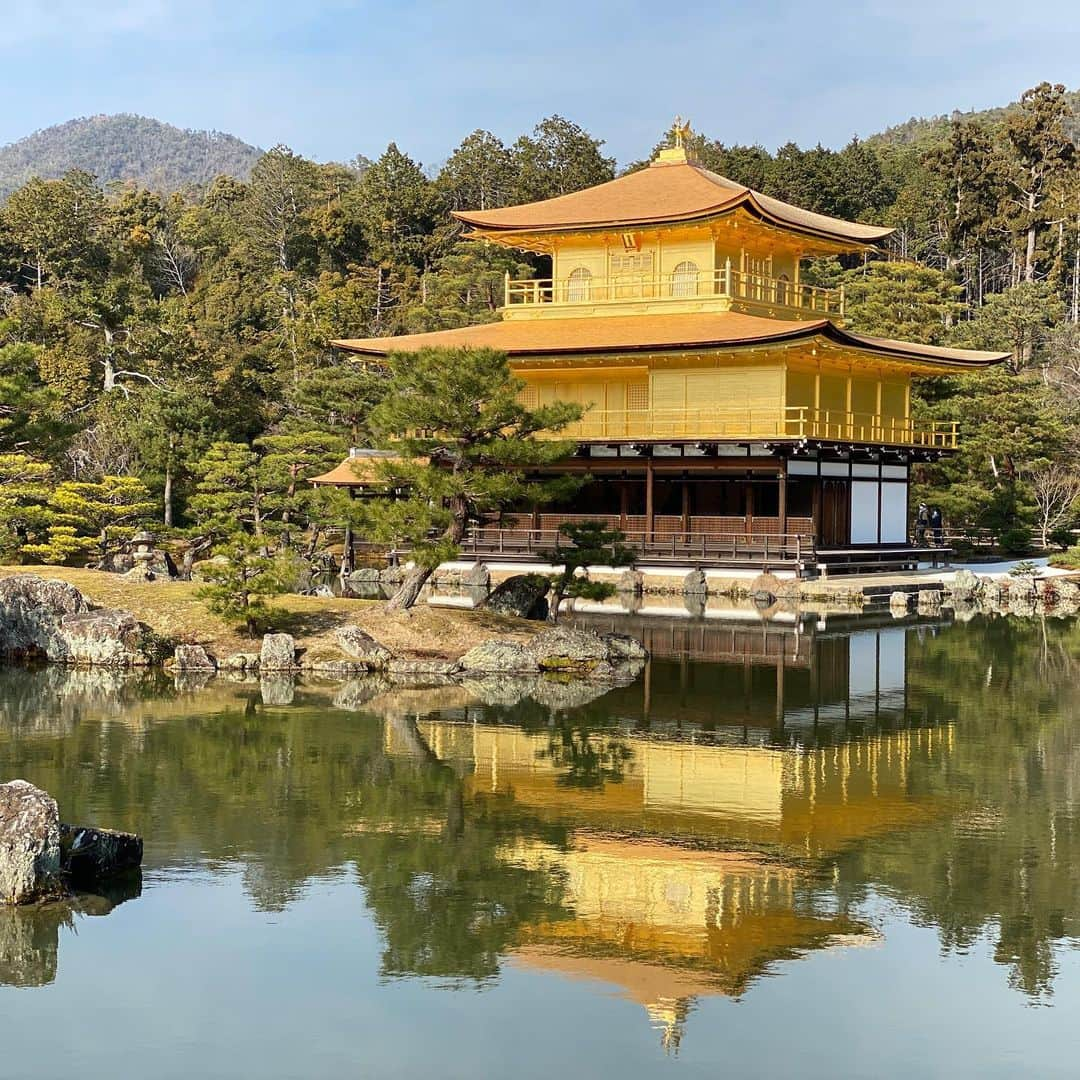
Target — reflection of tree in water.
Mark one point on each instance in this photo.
(589, 760)
(30, 935)
(1005, 864)
(446, 902)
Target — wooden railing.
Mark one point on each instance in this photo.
(758, 289)
(762, 549)
(794, 422)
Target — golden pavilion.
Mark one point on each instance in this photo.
(731, 417)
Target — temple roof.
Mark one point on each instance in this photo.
(649, 333)
(664, 193)
(361, 468)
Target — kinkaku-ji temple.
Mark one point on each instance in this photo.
(731, 417)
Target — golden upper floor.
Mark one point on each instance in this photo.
(671, 237)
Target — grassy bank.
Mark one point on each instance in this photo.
(173, 610)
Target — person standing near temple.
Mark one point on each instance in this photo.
(936, 528)
(922, 523)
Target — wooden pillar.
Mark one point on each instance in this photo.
(648, 498)
(624, 503)
(815, 510)
(685, 506)
(749, 509)
(783, 498)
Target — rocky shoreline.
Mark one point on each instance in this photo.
(52, 621)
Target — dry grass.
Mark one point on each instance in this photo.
(173, 610)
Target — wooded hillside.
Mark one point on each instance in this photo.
(126, 148)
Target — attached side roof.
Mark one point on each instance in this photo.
(520, 338)
(664, 193)
(362, 468)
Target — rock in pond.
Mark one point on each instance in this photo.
(278, 653)
(695, 583)
(478, 576)
(39, 856)
(494, 657)
(523, 595)
(193, 658)
(29, 844)
(53, 620)
(88, 855)
(584, 653)
(362, 647)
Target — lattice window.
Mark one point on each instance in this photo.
(641, 263)
(579, 284)
(529, 396)
(637, 396)
(684, 279)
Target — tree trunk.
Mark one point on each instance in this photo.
(168, 499)
(558, 591)
(416, 578)
(409, 589)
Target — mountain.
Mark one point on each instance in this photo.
(920, 132)
(126, 147)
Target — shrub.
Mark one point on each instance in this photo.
(1015, 541)
(1069, 559)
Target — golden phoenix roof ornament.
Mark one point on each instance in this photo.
(680, 132)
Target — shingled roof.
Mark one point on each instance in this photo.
(664, 193)
(650, 333)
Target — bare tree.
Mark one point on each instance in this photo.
(1057, 496)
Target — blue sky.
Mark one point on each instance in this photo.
(333, 78)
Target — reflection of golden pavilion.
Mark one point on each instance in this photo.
(667, 925)
(810, 802)
(667, 921)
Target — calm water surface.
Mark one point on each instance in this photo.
(844, 851)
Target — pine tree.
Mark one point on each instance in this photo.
(465, 440)
(25, 486)
(590, 543)
(240, 582)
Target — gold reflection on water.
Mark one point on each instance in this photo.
(813, 802)
(656, 901)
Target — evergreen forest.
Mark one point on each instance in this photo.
(164, 357)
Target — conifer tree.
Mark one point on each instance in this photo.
(465, 440)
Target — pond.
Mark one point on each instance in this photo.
(808, 849)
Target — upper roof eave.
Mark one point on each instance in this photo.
(597, 209)
(671, 333)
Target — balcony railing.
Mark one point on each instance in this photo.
(795, 422)
(758, 290)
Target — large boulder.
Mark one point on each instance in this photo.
(89, 855)
(493, 657)
(30, 612)
(108, 638)
(524, 595)
(900, 602)
(278, 653)
(929, 601)
(631, 583)
(193, 658)
(54, 621)
(695, 583)
(586, 654)
(29, 844)
(478, 576)
(965, 585)
(362, 647)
